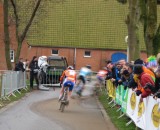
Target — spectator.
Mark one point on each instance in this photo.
(158, 58)
(118, 73)
(112, 74)
(26, 64)
(20, 66)
(152, 63)
(127, 76)
(122, 62)
(156, 88)
(112, 71)
(145, 69)
(144, 79)
(34, 72)
(26, 67)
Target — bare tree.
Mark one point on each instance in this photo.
(147, 9)
(6, 35)
(21, 35)
(149, 20)
(132, 22)
(151, 25)
(156, 42)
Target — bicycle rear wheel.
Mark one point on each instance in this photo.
(62, 106)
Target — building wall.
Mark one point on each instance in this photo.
(97, 59)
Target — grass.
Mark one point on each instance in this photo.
(119, 123)
(13, 98)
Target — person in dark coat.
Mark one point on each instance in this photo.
(127, 76)
(19, 65)
(112, 72)
(33, 66)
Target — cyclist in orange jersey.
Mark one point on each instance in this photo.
(68, 78)
(101, 76)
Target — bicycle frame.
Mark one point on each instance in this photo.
(64, 100)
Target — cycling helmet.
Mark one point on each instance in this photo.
(88, 66)
(70, 67)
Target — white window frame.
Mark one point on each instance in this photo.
(87, 55)
(12, 55)
(55, 53)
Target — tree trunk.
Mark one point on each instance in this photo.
(156, 42)
(133, 30)
(18, 51)
(137, 44)
(151, 25)
(6, 35)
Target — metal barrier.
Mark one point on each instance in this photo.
(11, 81)
(52, 78)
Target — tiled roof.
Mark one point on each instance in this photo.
(83, 24)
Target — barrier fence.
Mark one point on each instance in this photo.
(52, 77)
(10, 82)
(145, 115)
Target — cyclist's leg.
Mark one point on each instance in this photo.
(98, 82)
(82, 85)
(70, 89)
(78, 85)
(78, 81)
(83, 79)
(61, 91)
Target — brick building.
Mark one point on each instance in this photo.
(94, 47)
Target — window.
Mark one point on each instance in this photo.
(54, 52)
(87, 54)
(12, 55)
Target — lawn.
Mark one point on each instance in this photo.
(113, 114)
(11, 98)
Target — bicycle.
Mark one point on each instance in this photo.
(78, 88)
(63, 99)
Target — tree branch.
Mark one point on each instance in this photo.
(30, 21)
(16, 17)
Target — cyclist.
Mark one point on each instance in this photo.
(101, 76)
(82, 77)
(68, 78)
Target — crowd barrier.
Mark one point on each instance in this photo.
(145, 115)
(52, 78)
(10, 82)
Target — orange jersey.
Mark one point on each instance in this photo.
(148, 71)
(62, 76)
(70, 75)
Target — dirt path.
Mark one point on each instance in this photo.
(81, 114)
